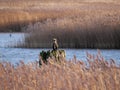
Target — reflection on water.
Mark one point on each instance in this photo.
(10, 39)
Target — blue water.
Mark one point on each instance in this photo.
(14, 55)
(10, 39)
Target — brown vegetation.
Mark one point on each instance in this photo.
(14, 14)
(80, 24)
(95, 74)
(86, 29)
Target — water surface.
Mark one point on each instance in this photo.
(10, 39)
(14, 55)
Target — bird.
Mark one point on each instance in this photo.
(55, 44)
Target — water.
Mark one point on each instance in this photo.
(10, 39)
(14, 55)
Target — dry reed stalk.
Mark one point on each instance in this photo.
(70, 75)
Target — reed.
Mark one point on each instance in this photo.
(93, 29)
(14, 14)
(80, 24)
(96, 73)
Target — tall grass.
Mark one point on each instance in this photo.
(95, 74)
(82, 24)
(86, 29)
(14, 14)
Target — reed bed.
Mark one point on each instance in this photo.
(86, 29)
(80, 24)
(95, 74)
(14, 14)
